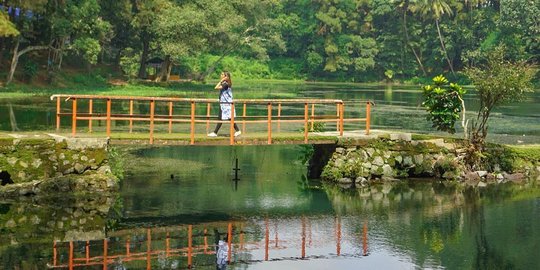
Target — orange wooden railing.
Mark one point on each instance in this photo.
(191, 250)
(108, 116)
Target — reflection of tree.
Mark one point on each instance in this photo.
(486, 256)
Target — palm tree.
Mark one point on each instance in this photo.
(436, 9)
(404, 5)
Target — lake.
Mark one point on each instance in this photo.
(278, 219)
(177, 202)
(397, 107)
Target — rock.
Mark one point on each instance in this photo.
(340, 150)
(12, 160)
(515, 177)
(387, 154)
(79, 168)
(370, 151)
(35, 220)
(84, 158)
(481, 173)
(482, 184)
(418, 159)
(361, 180)
(345, 180)
(387, 170)
(11, 223)
(69, 171)
(23, 164)
(398, 159)
(61, 156)
(378, 161)
(22, 175)
(75, 157)
(407, 161)
(366, 165)
(401, 137)
(36, 163)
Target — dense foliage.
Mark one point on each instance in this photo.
(346, 40)
(443, 102)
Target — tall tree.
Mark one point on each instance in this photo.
(405, 7)
(436, 9)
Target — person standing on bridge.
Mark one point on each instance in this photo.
(225, 99)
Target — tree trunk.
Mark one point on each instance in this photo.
(144, 58)
(14, 61)
(17, 54)
(165, 72)
(409, 43)
(444, 47)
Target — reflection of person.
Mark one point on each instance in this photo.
(222, 254)
(225, 98)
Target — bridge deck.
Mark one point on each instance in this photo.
(260, 138)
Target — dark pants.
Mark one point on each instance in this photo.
(218, 126)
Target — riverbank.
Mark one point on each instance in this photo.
(399, 156)
(41, 165)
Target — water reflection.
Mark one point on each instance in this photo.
(276, 219)
(189, 246)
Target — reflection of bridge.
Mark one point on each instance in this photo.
(193, 243)
(173, 110)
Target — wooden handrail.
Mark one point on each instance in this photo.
(152, 116)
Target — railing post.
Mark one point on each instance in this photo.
(205, 242)
(279, 117)
(55, 252)
(341, 114)
(70, 255)
(244, 118)
(269, 123)
(312, 116)
(128, 254)
(368, 117)
(337, 116)
(207, 117)
(305, 122)
(229, 242)
(74, 117)
(303, 237)
(190, 232)
(87, 251)
(364, 240)
(170, 116)
(109, 117)
(105, 248)
(192, 125)
(148, 249)
(130, 115)
(152, 108)
(90, 111)
(167, 245)
(338, 236)
(266, 239)
(231, 130)
(57, 114)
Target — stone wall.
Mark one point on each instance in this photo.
(384, 159)
(30, 166)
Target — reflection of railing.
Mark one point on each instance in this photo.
(193, 118)
(236, 240)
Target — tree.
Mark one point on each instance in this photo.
(7, 28)
(436, 9)
(497, 81)
(404, 5)
(444, 102)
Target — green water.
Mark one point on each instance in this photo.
(413, 225)
(397, 107)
